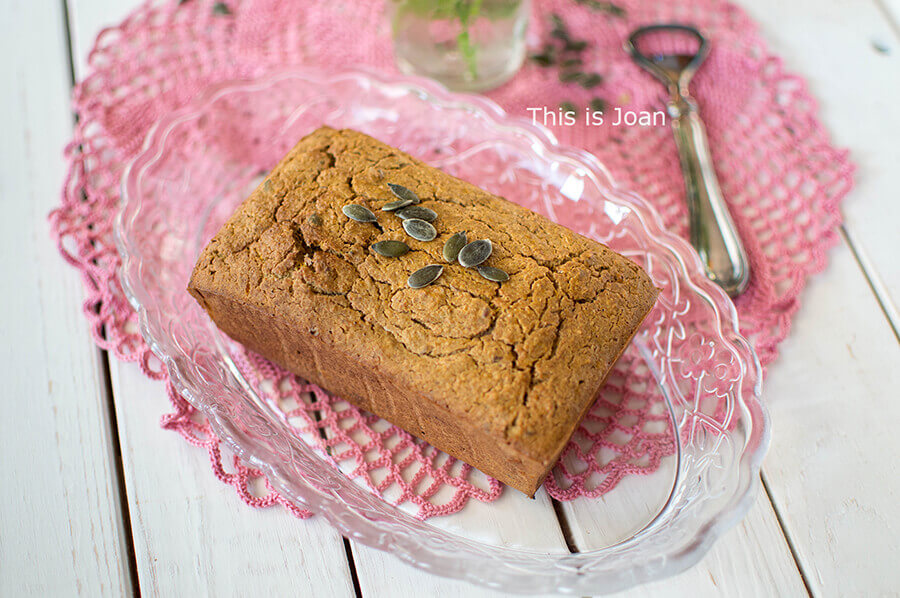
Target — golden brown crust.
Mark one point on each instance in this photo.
(496, 375)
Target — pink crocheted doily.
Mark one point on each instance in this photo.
(783, 180)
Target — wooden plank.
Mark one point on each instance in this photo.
(86, 19)
(836, 46)
(821, 470)
(752, 559)
(62, 528)
(891, 9)
(499, 523)
(832, 470)
(192, 534)
(600, 522)
(834, 467)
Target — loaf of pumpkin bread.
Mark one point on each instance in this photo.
(497, 374)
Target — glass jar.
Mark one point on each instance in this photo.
(468, 45)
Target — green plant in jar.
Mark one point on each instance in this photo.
(465, 44)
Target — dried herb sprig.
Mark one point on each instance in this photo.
(220, 8)
(566, 52)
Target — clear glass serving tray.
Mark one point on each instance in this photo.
(199, 163)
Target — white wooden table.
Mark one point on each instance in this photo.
(98, 500)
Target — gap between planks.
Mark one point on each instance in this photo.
(875, 283)
(60, 518)
(122, 497)
(103, 357)
(891, 11)
(787, 535)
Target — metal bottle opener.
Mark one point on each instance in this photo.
(713, 234)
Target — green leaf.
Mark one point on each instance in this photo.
(607, 7)
(467, 49)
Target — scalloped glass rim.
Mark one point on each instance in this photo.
(366, 517)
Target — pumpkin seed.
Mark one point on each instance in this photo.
(419, 212)
(396, 205)
(453, 245)
(419, 229)
(390, 248)
(403, 193)
(475, 253)
(359, 213)
(493, 274)
(425, 276)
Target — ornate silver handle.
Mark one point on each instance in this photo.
(713, 233)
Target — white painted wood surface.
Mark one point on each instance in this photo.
(192, 535)
(752, 559)
(835, 45)
(186, 542)
(834, 467)
(380, 574)
(61, 529)
(831, 474)
(749, 560)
